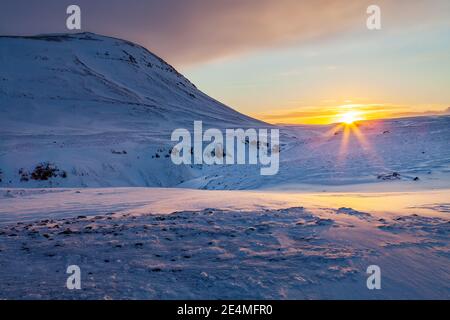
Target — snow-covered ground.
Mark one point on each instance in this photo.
(97, 113)
(152, 243)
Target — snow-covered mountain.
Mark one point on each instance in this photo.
(87, 110)
(95, 83)
(98, 108)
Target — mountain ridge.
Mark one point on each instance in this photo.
(107, 69)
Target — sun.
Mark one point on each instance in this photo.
(349, 117)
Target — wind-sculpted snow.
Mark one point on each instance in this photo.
(419, 225)
(351, 212)
(440, 207)
(214, 254)
(199, 254)
(432, 233)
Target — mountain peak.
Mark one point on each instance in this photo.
(90, 74)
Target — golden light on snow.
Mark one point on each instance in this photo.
(348, 131)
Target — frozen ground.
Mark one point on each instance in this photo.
(83, 111)
(130, 244)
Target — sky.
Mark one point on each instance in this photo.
(282, 61)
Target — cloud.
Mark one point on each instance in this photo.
(195, 31)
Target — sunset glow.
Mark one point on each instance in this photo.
(350, 117)
(344, 113)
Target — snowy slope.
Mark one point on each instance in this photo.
(101, 110)
(95, 83)
(78, 101)
(417, 149)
